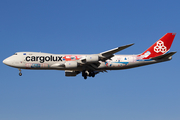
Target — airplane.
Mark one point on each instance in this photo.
(91, 64)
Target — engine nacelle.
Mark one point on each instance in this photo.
(92, 58)
(71, 73)
(71, 64)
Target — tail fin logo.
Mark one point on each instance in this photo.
(160, 47)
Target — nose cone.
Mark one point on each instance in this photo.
(7, 61)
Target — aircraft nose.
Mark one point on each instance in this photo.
(6, 61)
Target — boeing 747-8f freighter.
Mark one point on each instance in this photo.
(92, 64)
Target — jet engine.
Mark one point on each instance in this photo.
(71, 73)
(71, 64)
(91, 59)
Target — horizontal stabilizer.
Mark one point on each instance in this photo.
(165, 56)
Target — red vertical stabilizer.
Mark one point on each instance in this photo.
(161, 47)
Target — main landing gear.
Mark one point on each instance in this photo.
(20, 74)
(86, 73)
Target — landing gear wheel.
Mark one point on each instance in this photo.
(84, 74)
(85, 77)
(20, 74)
(93, 74)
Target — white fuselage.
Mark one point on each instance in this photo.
(38, 60)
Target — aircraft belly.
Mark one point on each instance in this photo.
(119, 66)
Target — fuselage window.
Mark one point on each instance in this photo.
(15, 53)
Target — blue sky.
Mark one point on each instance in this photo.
(88, 27)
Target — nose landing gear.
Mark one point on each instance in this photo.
(20, 74)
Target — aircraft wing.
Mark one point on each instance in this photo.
(90, 62)
(110, 53)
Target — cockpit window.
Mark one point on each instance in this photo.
(15, 53)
